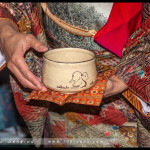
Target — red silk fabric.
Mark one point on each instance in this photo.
(124, 19)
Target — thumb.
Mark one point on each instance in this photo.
(36, 44)
(42, 48)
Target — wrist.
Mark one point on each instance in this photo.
(114, 86)
(109, 88)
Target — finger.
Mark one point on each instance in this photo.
(26, 73)
(36, 44)
(24, 69)
(21, 79)
(44, 88)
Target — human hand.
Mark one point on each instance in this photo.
(14, 45)
(114, 86)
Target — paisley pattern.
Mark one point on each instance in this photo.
(114, 118)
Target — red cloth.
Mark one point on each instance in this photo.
(123, 20)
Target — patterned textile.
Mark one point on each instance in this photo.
(143, 129)
(114, 118)
(138, 45)
(134, 69)
(109, 121)
(135, 102)
(8, 116)
(78, 15)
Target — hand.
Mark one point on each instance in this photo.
(14, 45)
(114, 86)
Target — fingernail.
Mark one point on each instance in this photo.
(44, 89)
